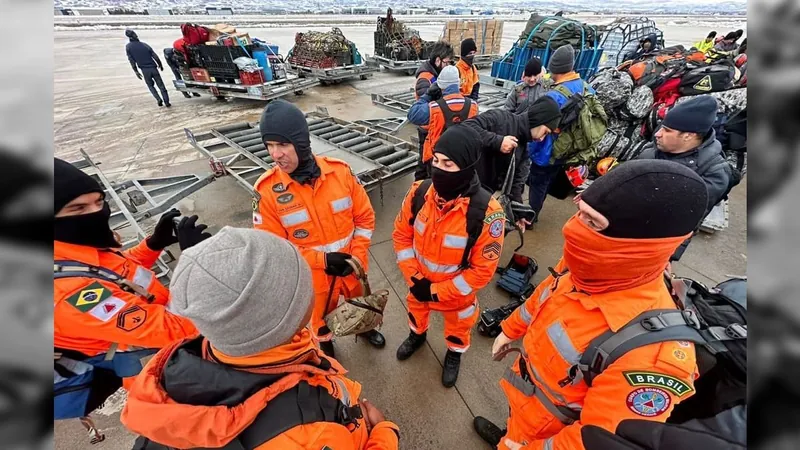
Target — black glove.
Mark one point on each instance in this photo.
(435, 92)
(421, 290)
(336, 264)
(475, 89)
(189, 233)
(164, 232)
(138, 75)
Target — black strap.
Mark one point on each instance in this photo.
(301, 405)
(476, 213)
(419, 199)
(450, 115)
(651, 327)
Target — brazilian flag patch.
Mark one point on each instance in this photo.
(88, 297)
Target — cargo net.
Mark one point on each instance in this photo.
(320, 50)
(396, 41)
(557, 32)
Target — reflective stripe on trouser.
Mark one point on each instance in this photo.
(458, 324)
(531, 413)
(321, 305)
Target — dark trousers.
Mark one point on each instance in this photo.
(539, 181)
(423, 170)
(153, 78)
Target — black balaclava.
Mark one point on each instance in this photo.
(86, 229)
(462, 145)
(284, 122)
(468, 45)
(131, 35)
(649, 199)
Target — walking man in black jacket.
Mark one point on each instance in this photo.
(504, 135)
(143, 56)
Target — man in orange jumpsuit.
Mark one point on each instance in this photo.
(256, 378)
(440, 108)
(108, 304)
(319, 206)
(441, 56)
(470, 79)
(449, 248)
(616, 249)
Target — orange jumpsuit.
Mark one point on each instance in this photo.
(90, 314)
(433, 248)
(558, 321)
(332, 215)
(436, 123)
(468, 77)
(195, 425)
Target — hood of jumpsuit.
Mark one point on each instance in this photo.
(282, 121)
(191, 395)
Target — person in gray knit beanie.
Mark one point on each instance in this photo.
(245, 290)
(562, 61)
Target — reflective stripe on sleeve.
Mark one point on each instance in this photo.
(461, 284)
(363, 232)
(405, 254)
(561, 341)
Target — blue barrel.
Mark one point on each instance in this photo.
(263, 62)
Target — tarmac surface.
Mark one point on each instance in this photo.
(101, 107)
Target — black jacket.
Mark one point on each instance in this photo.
(493, 126)
(421, 85)
(142, 55)
(706, 160)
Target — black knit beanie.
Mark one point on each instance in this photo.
(468, 45)
(544, 111)
(131, 35)
(69, 183)
(461, 144)
(648, 199)
(533, 67)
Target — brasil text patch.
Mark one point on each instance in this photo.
(670, 383)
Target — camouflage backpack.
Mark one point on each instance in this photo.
(583, 124)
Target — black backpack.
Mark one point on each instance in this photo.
(714, 319)
(704, 80)
(476, 213)
(451, 117)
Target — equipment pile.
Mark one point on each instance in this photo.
(210, 54)
(637, 95)
(394, 40)
(487, 34)
(323, 50)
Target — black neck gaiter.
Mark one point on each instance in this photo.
(87, 229)
(307, 169)
(451, 185)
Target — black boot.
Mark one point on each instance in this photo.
(375, 338)
(187, 95)
(195, 94)
(413, 342)
(168, 104)
(160, 103)
(488, 431)
(452, 361)
(327, 348)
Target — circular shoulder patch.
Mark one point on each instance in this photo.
(496, 228)
(648, 401)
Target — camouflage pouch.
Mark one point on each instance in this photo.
(360, 314)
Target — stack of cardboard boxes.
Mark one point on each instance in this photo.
(487, 33)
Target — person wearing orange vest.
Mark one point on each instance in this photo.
(318, 205)
(441, 107)
(109, 309)
(441, 56)
(468, 73)
(616, 250)
(448, 238)
(256, 378)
